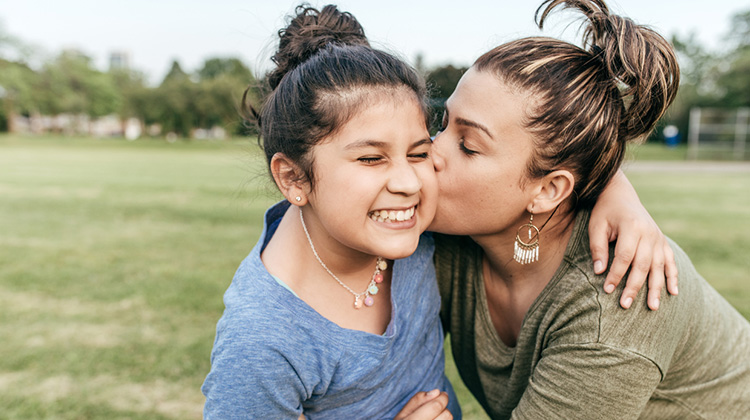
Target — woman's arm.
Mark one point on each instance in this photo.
(641, 246)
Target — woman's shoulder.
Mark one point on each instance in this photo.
(597, 316)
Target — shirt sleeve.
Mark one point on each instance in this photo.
(251, 380)
(588, 381)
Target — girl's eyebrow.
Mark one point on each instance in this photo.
(381, 144)
(420, 142)
(364, 143)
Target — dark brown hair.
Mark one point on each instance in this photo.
(325, 73)
(587, 103)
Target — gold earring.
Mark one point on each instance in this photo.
(527, 252)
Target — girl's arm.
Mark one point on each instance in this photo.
(426, 406)
(641, 246)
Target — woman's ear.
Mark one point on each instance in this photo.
(290, 179)
(554, 188)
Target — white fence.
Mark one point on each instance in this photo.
(719, 133)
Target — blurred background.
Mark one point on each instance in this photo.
(130, 189)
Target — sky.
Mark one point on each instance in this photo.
(155, 32)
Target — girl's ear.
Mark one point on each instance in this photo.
(554, 188)
(290, 179)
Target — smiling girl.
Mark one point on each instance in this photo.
(334, 313)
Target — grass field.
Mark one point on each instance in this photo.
(114, 257)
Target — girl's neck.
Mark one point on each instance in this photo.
(289, 257)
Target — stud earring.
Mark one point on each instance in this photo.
(527, 252)
(298, 198)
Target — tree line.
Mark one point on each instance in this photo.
(70, 84)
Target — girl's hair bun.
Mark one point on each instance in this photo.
(310, 31)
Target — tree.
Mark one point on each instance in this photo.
(13, 49)
(740, 29)
(713, 79)
(130, 84)
(734, 82)
(225, 67)
(175, 74)
(222, 83)
(69, 83)
(442, 82)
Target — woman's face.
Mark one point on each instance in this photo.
(480, 158)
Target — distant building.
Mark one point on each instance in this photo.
(119, 60)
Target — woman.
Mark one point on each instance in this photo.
(532, 333)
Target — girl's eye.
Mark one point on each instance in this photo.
(420, 156)
(370, 159)
(466, 150)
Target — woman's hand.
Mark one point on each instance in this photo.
(426, 406)
(641, 246)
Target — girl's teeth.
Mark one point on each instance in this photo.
(392, 216)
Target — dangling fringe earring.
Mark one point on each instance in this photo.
(527, 252)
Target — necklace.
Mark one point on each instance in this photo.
(372, 288)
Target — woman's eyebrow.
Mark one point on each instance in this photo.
(473, 124)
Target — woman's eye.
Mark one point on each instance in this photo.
(419, 156)
(464, 149)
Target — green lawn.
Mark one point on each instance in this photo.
(114, 257)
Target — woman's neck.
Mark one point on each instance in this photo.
(510, 287)
(498, 250)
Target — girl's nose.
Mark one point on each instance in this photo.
(403, 179)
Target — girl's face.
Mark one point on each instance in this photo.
(375, 189)
(480, 158)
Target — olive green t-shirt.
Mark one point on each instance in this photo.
(579, 355)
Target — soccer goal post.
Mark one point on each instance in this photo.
(719, 133)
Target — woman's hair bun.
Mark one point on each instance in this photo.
(308, 32)
(638, 59)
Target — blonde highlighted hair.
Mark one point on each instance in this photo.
(588, 102)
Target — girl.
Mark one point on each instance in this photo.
(335, 311)
(532, 333)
